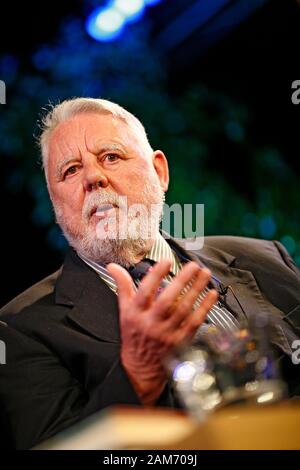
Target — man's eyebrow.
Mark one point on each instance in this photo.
(101, 148)
(62, 164)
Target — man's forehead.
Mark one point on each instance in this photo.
(93, 132)
(95, 127)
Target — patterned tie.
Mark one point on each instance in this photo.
(218, 314)
(139, 270)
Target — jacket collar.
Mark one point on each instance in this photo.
(93, 306)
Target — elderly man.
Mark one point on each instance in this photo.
(97, 332)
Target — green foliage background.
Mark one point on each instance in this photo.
(247, 190)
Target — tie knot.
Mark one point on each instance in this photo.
(139, 270)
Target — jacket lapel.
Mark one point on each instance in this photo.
(93, 305)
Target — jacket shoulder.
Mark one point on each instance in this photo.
(240, 245)
(31, 295)
(251, 249)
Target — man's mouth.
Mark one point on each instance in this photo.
(103, 210)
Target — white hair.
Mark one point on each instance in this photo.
(69, 108)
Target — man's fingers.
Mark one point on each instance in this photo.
(197, 317)
(170, 294)
(148, 287)
(123, 280)
(185, 304)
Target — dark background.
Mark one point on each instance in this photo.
(218, 101)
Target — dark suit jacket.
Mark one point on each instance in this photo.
(62, 335)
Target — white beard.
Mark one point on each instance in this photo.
(142, 228)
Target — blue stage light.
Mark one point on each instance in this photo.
(105, 24)
(151, 2)
(132, 10)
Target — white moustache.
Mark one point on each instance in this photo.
(101, 201)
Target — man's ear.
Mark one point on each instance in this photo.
(161, 167)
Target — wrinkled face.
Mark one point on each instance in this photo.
(107, 188)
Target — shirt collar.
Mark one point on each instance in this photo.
(160, 250)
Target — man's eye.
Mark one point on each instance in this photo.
(70, 171)
(111, 157)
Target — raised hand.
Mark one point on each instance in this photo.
(151, 326)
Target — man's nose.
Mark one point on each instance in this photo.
(94, 178)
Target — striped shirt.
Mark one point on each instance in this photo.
(218, 314)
